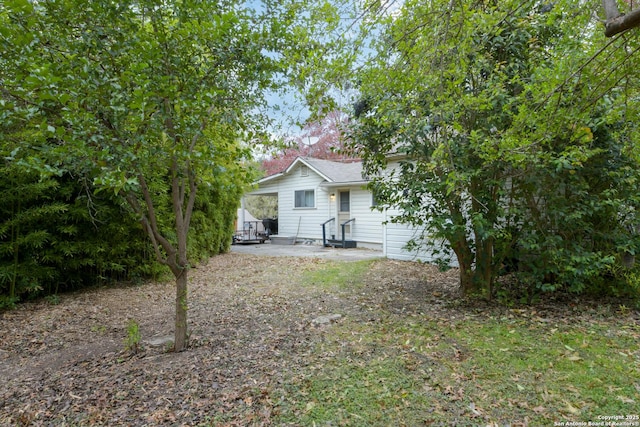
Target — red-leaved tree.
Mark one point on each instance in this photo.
(320, 140)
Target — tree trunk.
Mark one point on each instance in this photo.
(182, 218)
(467, 284)
(175, 257)
(180, 337)
(465, 264)
(478, 277)
(484, 273)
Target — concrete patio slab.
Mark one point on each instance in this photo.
(307, 250)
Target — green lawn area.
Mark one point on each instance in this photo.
(465, 366)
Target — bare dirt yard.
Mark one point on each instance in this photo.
(254, 323)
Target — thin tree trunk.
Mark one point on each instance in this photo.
(180, 338)
(467, 285)
(178, 193)
(175, 257)
(484, 274)
(181, 272)
(463, 251)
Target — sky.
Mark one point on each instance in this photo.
(287, 109)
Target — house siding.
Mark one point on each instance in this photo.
(301, 222)
(396, 237)
(398, 234)
(368, 224)
(367, 228)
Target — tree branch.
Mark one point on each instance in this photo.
(616, 22)
(133, 202)
(151, 224)
(192, 199)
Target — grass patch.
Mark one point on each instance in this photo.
(462, 368)
(337, 276)
(466, 373)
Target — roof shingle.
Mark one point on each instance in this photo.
(336, 171)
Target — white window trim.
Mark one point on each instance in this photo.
(340, 201)
(305, 207)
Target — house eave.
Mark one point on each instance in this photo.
(268, 178)
(343, 184)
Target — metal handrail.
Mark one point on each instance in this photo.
(324, 233)
(343, 225)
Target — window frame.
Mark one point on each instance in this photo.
(340, 201)
(304, 199)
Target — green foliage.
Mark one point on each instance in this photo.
(512, 144)
(57, 236)
(149, 102)
(26, 206)
(53, 299)
(213, 222)
(262, 207)
(67, 237)
(588, 222)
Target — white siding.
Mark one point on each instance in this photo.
(396, 237)
(292, 221)
(303, 222)
(367, 227)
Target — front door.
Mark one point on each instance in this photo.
(344, 213)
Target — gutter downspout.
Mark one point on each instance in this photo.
(384, 233)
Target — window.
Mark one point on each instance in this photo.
(305, 199)
(344, 201)
(374, 200)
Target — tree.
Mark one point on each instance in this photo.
(150, 98)
(500, 111)
(262, 206)
(321, 139)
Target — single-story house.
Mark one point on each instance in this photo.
(312, 192)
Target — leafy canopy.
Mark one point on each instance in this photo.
(485, 124)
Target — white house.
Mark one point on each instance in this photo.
(312, 192)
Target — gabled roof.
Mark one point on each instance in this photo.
(331, 171)
(336, 171)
